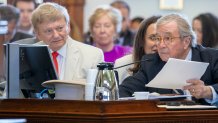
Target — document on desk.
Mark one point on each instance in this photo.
(187, 107)
(175, 73)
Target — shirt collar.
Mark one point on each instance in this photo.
(62, 51)
(189, 56)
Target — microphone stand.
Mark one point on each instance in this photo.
(131, 63)
(116, 72)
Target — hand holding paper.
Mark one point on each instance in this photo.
(175, 73)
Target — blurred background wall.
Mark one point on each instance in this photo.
(146, 8)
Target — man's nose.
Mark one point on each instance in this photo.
(25, 13)
(55, 33)
(162, 42)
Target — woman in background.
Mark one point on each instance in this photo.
(135, 23)
(206, 27)
(105, 24)
(144, 43)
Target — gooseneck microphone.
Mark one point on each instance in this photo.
(116, 72)
(132, 63)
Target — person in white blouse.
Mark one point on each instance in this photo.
(144, 43)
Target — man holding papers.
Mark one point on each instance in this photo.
(176, 39)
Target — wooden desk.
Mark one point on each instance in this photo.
(66, 111)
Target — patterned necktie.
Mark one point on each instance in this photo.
(54, 55)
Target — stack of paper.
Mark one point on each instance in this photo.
(176, 72)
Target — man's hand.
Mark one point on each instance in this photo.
(198, 89)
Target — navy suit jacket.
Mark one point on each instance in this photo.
(153, 64)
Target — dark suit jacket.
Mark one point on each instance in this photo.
(27, 41)
(19, 36)
(128, 38)
(150, 68)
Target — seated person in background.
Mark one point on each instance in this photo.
(3, 25)
(206, 27)
(176, 39)
(11, 14)
(135, 23)
(88, 38)
(126, 36)
(144, 43)
(26, 8)
(27, 41)
(104, 25)
(51, 24)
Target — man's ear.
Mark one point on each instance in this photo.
(36, 33)
(187, 42)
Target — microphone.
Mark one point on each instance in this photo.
(116, 72)
(132, 63)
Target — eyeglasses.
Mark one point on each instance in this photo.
(166, 40)
(152, 37)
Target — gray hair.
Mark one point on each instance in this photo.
(184, 26)
(49, 12)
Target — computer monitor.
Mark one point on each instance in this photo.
(28, 66)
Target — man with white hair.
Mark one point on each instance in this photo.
(176, 39)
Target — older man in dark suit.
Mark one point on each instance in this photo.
(176, 39)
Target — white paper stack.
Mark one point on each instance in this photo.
(176, 72)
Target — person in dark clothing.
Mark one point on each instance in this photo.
(135, 23)
(126, 36)
(206, 27)
(19, 36)
(176, 39)
(26, 8)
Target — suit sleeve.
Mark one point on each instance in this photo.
(132, 84)
(148, 70)
(215, 74)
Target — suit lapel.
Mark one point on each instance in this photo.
(153, 65)
(196, 54)
(71, 62)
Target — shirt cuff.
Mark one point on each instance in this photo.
(214, 95)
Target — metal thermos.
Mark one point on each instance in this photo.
(106, 87)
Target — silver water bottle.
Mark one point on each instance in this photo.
(106, 87)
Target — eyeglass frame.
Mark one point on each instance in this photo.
(170, 39)
(152, 37)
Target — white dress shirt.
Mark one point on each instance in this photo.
(61, 60)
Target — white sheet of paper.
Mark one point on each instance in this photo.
(175, 73)
(187, 107)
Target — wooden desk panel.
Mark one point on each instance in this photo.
(65, 111)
